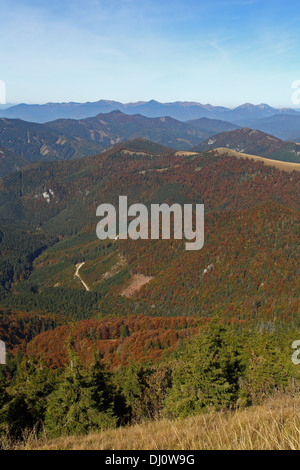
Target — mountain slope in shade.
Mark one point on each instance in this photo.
(10, 161)
(67, 139)
(35, 142)
(253, 142)
(283, 126)
(213, 125)
(117, 126)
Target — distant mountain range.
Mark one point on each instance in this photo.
(283, 126)
(251, 111)
(66, 139)
(180, 110)
(51, 111)
(253, 142)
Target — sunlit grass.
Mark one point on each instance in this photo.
(274, 425)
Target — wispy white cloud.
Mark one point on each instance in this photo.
(136, 49)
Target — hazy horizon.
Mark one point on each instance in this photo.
(7, 105)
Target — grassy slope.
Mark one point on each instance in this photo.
(281, 165)
(274, 425)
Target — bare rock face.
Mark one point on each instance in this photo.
(2, 353)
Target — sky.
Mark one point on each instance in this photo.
(222, 52)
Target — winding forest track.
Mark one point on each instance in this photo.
(78, 266)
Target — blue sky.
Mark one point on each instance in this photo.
(223, 52)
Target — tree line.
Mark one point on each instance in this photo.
(222, 367)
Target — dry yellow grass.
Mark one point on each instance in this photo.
(184, 153)
(286, 166)
(275, 425)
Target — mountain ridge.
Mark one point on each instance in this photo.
(284, 126)
(66, 139)
(35, 142)
(253, 142)
(181, 110)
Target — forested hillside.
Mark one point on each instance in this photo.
(35, 142)
(253, 142)
(251, 222)
(10, 161)
(133, 312)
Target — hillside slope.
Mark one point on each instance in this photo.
(273, 425)
(284, 166)
(283, 126)
(115, 126)
(213, 125)
(35, 142)
(67, 139)
(253, 142)
(250, 237)
(10, 161)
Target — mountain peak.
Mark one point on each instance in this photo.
(252, 142)
(251, 106)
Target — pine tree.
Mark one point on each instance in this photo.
(35, 382)
(82, 402)
(206, 373)
(26, 401)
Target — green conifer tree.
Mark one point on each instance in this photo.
(206, 373)
(82, 403)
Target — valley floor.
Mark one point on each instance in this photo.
(275, 425)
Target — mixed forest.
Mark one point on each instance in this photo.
(160, 331)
